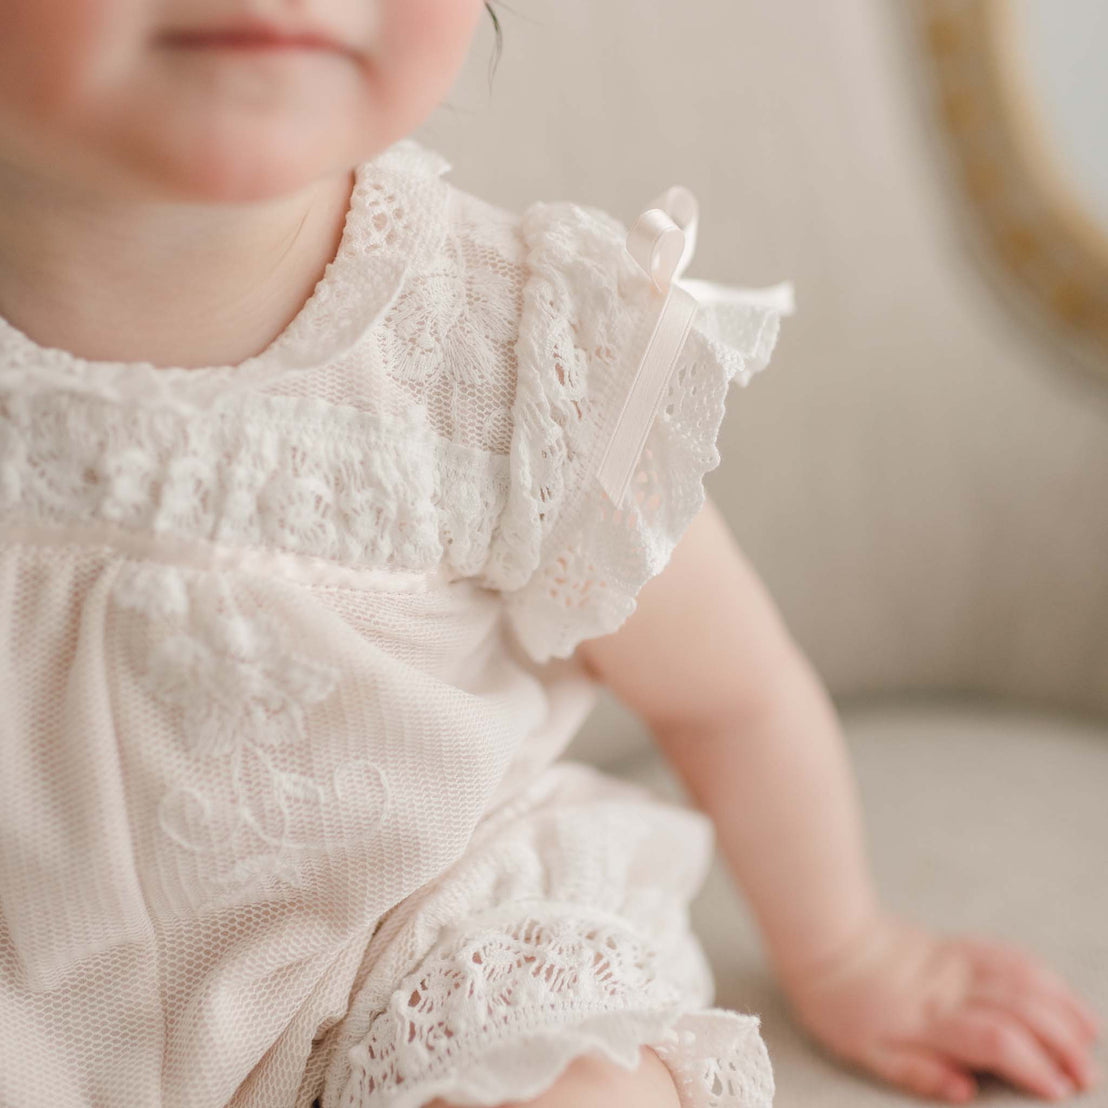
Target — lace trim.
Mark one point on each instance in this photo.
(570, 563)
(395, 221)
(718, 1059)
(297, 475)
(393, 456)
(496, 1016)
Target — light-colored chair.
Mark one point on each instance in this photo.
(920, 481)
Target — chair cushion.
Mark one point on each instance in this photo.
(979, 819)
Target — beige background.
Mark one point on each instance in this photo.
(919, 479)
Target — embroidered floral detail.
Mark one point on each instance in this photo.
(249, 820)
(232, 677)
(451, 320)
(155, 591)
(272, 819)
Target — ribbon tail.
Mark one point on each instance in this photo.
(645, 395)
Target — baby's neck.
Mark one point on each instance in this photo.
(172, 284)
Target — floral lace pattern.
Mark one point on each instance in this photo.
(541, 991)
(294, 475)
(571, 563)
(241, 694)
(497, 983)
(392, 457)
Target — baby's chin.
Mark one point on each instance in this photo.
(246, 141)
(238, 165)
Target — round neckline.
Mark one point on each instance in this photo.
(353, 292)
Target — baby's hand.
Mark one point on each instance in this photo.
(923, 1011)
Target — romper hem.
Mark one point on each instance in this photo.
(716, 1057)
(532, 951)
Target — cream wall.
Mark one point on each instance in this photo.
(924, 491)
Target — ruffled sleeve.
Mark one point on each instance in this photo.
(569, 562)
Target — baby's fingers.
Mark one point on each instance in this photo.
(1055, 1028)
(1011, 964)
(923, 1071)
(989, 1039)
(1078, 1009)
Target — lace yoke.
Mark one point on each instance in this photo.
(440, 401)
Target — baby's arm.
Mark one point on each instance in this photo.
(707, 663)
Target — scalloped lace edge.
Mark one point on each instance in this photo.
(570, 564)
(632, 554)
(537, 1063)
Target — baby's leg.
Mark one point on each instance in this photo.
(590, 1082)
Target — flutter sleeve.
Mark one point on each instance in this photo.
(622, 371)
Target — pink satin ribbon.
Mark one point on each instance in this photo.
(662, 241)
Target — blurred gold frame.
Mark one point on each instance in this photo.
(1031, 216)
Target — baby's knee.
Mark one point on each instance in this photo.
(593, 1082)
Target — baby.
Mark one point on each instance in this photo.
(330, 495)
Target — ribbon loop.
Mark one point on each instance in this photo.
(662, 241)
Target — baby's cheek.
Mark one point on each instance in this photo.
(49, 53)
(419, 47)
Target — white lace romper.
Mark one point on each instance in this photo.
(286, 660)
